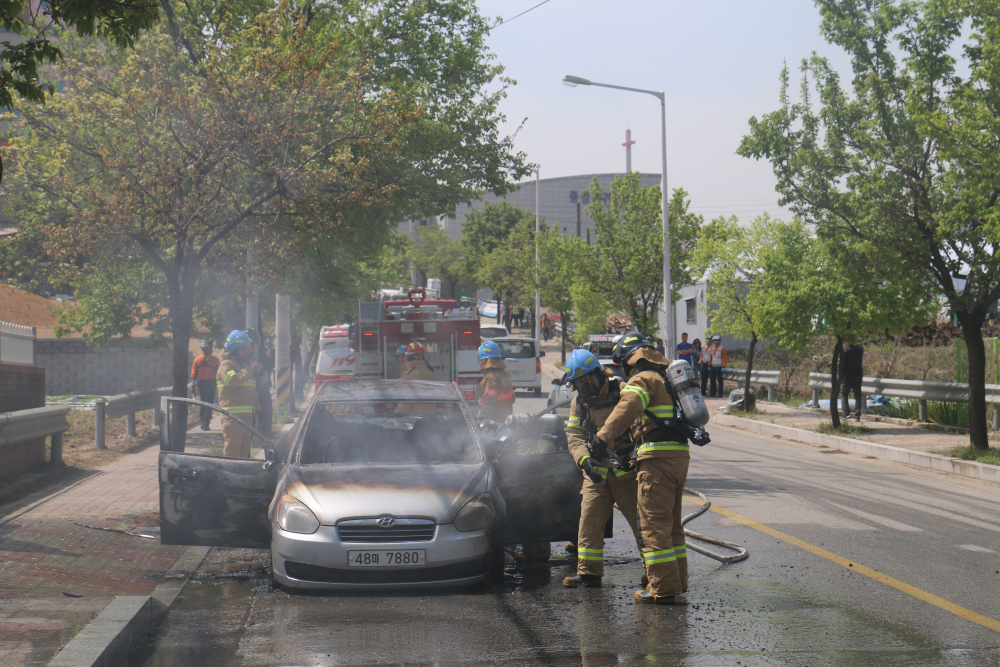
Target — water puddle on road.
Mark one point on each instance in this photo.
(236, 617)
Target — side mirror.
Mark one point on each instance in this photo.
(541, 353)
(556, 382)
(270, 455)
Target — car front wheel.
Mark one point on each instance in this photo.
(495, 558)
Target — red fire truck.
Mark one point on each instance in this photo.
(450, 335)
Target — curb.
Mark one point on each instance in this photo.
(936, 462)
(122, 630)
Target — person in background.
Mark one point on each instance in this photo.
(685, 350)
(718, 366)
(496, 390)
(706, 365)
(520, 318)
(853, 374)
(203, 371)
(696, 358)
(660, 348)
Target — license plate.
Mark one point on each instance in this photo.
(387, 558)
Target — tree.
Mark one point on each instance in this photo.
(736, 259)
(436, 254)
(486, 229)
(510, 269)
(629, 247)
(559, 260)
(591, 309)
(903, 161)
(152, 159)
(38, 27)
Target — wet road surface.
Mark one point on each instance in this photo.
(823, 599)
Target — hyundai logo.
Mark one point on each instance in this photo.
(385, 522)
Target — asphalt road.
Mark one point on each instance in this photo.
(853, 562)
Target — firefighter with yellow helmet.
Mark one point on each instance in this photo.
(496, 390)
(237, 387)
(662, 458)
(604, 485)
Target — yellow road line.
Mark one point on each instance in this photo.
(918, 593)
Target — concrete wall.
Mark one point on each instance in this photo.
(73, 366)
(21, 388)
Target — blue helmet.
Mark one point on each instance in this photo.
(236, 340)
(489, 350)
(400, 350)
(579, 363)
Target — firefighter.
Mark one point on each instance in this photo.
(265, 417)
(496, 391)
(203, 372)
(662, 460)
(718, 365)
(597, 393)
(414, 367)
(237, 393)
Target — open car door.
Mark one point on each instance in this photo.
(540, 485)
(207, 499)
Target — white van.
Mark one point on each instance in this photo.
(336, 355)
(524, 361)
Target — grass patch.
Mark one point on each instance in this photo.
(938, 412)
(991, 456)
(844, 429)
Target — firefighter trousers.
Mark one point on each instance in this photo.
(660, 484)
(596, 506)
(237, 438)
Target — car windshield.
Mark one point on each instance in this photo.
(425, 432)
(517, 349)
(492, 332)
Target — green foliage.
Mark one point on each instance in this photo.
(490, 227)
(903, 160)
(438, 256)
(560, 257)
(592, 310)
(120, 22)
(844, 429)
(990, 456)
(629, 247)
(510, 268)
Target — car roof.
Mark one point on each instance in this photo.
(387, 390)
(514, 338)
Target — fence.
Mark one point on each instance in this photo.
(770, 379)
(17, 344)
(25, 426)
(947, 392)
(127, 405)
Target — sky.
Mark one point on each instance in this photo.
(718, 61)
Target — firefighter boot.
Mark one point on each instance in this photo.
(649, 598)
(582, 581)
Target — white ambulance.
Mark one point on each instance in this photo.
(336, 355)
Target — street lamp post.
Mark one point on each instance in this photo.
(538, 297)
(667, 308)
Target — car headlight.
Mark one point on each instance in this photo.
(292, 515)
(478, 513)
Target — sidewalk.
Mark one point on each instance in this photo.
(59, 569)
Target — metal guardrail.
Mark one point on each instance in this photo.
(127, 405)
(921, 391)
(771, 379)
(27, 425)
(17, 344)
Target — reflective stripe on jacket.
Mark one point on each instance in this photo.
(576, 433)
(645, 391)
(237, 387)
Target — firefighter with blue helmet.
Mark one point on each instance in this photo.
(237, 385)
(604, 485)
(496, 390)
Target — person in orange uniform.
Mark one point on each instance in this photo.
(414, 367)
(203, 372)
(496, 391)
(662, 458)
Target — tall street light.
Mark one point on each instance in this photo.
(538, 297)
(667, 308)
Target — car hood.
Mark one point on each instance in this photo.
(433, 491)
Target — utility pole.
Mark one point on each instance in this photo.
(538, 296)
(628, 151)
(282, 352)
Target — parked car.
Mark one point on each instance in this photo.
(524, 361)
(491, 331)
(382, 483)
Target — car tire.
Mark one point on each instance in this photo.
(495, 558)
(538, 391)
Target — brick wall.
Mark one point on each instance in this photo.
(21, 387)
(73, 366)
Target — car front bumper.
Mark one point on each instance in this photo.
(319, 560)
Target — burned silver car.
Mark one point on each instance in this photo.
(380, 483)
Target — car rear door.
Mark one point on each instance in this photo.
(521, 368)
(207, 499)
(542, 495)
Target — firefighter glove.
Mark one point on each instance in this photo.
(598, 448)
(587, 465)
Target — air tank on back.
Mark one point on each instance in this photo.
(694, 412)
